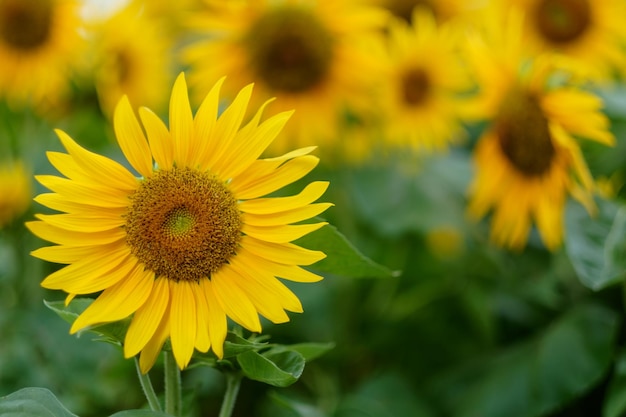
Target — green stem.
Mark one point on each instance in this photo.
(173, 394)
(233, 382)
(148, 389)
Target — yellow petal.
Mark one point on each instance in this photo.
(285, 253)
(131, 139)
(289, 272)
(65, 254)
(78, 223)
(159, 138)
(204, 125)
(280, 234)
(203, 341)
(253, 186)
(97, 166)
(216, 319)
(147, 318)
(119, 301)
(66, 237)
(286, 217)
(233, 301)
(181, 124)
(84, 194)
(183, 321)
(57, 202)
(310, 193)
(151, 351)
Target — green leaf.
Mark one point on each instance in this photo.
(278, 369)
(30, 402)
(235, 345)
(113, 333)
(596, 245)
(309, 351)
(342, 258)
(140, 413)
(537, 377)
(292, 406)
(615, 400)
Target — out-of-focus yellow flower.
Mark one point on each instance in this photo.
(15, 191)
(190, 241)
(445, 242)
(588, 35)
(528, 159)
(132, 57)
(313, 56)
(442, 10)
(421, 92)
(40, 47)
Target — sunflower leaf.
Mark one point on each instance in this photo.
(113, 333)
(309, 351)
(596, 244)
(29, 402)
(342, 258)
(278, 369)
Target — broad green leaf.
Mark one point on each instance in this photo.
(140, 413)
(596, 245)
(309, 351)
(114, 332)
(535, 378)
(31, 402)
(342, 258)
(280, 370)
(615, 400)
(235, 344)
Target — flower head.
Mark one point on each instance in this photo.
(190, 241)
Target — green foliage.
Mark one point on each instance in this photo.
(30, 402)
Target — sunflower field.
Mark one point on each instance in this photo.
(312, 208)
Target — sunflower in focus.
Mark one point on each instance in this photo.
(421, 93)
(39, 47)
(15, 191)
(132, 58)
(314, 56)
(528, 160)
(192, 240)
(588, 35)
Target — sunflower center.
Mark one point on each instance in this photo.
(562, 21)
(290, 50)
(183, 224)
(415, 86)
(122, 65)
(523, 134)
(25, 24)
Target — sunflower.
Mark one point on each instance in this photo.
(588, 35)
(192, 240)
(528, 160)
(39, 47)
(421, 93)
(442, 10)
(132, 57)
(314, 56)
(15, 191)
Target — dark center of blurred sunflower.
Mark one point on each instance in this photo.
(523, 134)
(415, 86)
(122, 65)
(562, 21)
(289, 49)
(25, 24)
(183, 224)
(404, 8)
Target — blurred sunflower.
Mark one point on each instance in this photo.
(15, 191)
(192, 240)
(39, 47)
(528, 159)
(589, 35)
(442, 10)
(314, 56)
(422, 90)
(133, 58)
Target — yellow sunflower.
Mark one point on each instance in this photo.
(588, 34)
(39, 47)
(132, 58)
(314, 56)
(192, 240)
(442, 10)
(15, 191)
(528, 160)
(422, 90)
